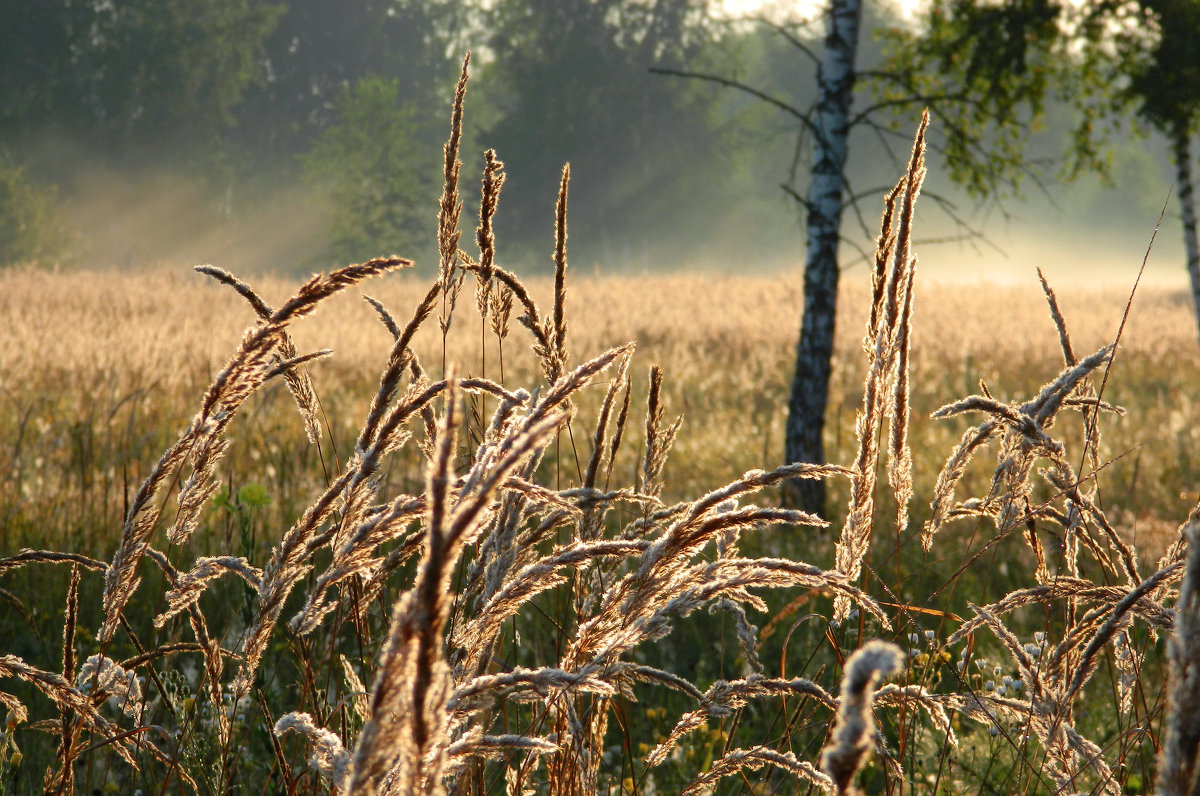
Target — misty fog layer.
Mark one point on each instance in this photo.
(321, 144)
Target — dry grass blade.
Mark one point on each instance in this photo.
(299, 383)
(67, 697)
(560, 265)
(854, 732)
(756, 757)
(890, 335)
(244, 373)
(450, 212)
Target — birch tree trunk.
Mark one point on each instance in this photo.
(826, 197)
(1181, 150)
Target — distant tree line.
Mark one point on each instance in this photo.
(353, 96)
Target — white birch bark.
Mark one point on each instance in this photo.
(1181, 150)
(826, 199)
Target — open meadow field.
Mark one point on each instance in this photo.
(464, 527)
(605, 629)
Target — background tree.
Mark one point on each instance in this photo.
(1158, 62)
(1002, 91)
(135, 73)
(371, 164)
(569, 82)
(319, 49)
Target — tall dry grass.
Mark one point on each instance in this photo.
(483, 587)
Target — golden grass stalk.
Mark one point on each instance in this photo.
(67, 697)
(450, 212)
(328, 756)
(485, 237)
(853, 734)
(560, 265)
(244, 373)
(888, 329)
(299, 384)
(659, 438)
(188, 588)
(756, 757)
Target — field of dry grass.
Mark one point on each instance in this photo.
(101, 367)
(474, 552)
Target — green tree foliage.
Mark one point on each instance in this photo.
(318, 48)
(571, 81)
(985, 74)
(30, 227)
(134, 72)
(378, 178)
(1111, 59)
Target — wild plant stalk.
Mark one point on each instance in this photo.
(504, 620)
(449, 212)
(887, 334)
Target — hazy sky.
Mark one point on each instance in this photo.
(790, 9)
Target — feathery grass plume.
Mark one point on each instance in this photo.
(541, 328)
(357, 692)
(328, 756)
(618, 382)
(244, 373)
(1178, 773)
(658, 438)
(1175, 552)
(27, 556)
(399, 360)
(723, 698)
(498, 315)
(1049, 711)
(885, 246)
(1063, 587)
(500, 550)
(63, 781)
(106, 676)
(407, 736)
(899, 452)
(737, 760)
(951, 473)
(1118, 620)
(385, 317)
(1064, 339)
(450, 212)
(67, 697)
(485, 237)
(560, 265)
(299, 384)
(356, 555)
(503, 600)
(854, 732)
(890, 335)
(287, 565)
(207, 569)
(540, 682)
(1024, 437)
